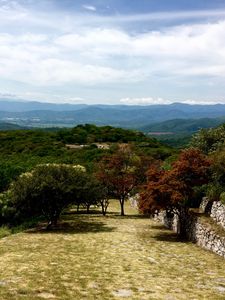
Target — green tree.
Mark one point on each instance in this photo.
(93, 193)
(47, 190)
(209, 140)
(8, 172)
(217, 187)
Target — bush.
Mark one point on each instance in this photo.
(222, 197)
(47, 190)
(214, 191)
(7, 211)
(4, 231)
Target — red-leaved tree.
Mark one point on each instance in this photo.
(172, 190)
(121, 172)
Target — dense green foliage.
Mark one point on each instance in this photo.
(177, 140)
(216, 188)
(115, 162)
(47, 190)
(210, 140)
(21, 150)
(83, 134)
(29, 152)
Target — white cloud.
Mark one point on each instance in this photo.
(12, 11)
(42, 97)
(36, 65)
(161, 101)
(51, 48)
(89, 7)
(144, 101)
(201, 101)
(97, 40)
(190, 50)
(90, 55)
(182, 41)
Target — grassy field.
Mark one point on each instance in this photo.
(95, 257)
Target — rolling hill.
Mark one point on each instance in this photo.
(183, 125)
(10, 126)
(38, 114)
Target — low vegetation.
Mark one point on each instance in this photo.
(22, 150)
(212, 143)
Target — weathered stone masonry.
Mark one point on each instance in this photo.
(200, 233)
(218, 213)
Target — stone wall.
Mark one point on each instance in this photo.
(207, 239)
(218, 213)
(205, 205)
(196, 232)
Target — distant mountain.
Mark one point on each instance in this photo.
(22, 106)
(183, 125)
(47, 114)
(9, 126)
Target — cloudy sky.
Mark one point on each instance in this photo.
(113, 51)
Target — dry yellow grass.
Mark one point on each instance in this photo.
(93, 257)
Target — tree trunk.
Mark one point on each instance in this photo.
(49, 226)
(104, 204)
(55, 221)
(88, 209)
(122, 213)
(182, 230)
(103, 210)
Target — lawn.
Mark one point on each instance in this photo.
(112, 257)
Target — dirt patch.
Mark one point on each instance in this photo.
(123, 293)
(46, 295)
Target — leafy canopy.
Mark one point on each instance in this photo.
(173, 189)
(47, 190)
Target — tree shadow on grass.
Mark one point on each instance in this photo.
(126, 217)
(158, 227)
(170, 237)
(73, 227)
(82, 212)
(97, 214)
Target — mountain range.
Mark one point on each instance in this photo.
(39, 114)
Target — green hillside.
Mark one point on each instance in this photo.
(21, 150)
(178, 132)
(182, 125)
(210, 140)
(9, 126)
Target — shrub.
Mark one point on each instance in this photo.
(4, 231)
(47, 190)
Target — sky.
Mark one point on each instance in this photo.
(140, 52)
